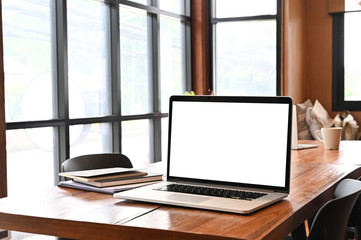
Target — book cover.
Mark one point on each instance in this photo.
(150, 177)
(103, 174)
(107, 190)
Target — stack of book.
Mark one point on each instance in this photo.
(109, 180)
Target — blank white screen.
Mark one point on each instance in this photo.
(234, 142)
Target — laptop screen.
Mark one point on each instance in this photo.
(239, 140)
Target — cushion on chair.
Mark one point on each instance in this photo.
(321, 115)
(312, 122)
(303, 130)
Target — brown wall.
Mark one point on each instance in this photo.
(319, 52)
(200, 53)
(308, 52)
(3, 185)
(294, 50)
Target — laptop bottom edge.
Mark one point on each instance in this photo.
(148, 194)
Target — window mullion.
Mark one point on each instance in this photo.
(338, 72)
(187, 63)
(115, 76)
(155, 124)
(61, 95)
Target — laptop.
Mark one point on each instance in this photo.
(225, 153)
(295, 144)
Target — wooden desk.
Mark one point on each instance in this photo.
(76, 214)
(348, 153)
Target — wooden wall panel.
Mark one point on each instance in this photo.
(319, 55)
(319, 52)
(336, 6)
(294, 50)
(307, 52)
(3, 175)
(200, 46)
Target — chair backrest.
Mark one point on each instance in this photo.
(331, 220)
(96, 161)
(354, 222)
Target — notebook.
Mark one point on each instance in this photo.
(295, 144)
(229, 154)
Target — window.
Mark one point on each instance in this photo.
(246, 43)
(89, 76)
(346, 62)
(27, 39)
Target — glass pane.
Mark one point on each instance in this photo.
(29, 159)
(27, 60)
(352, 57)
(135, 142)
(243, 8)
(144, 2)
(172, 49)
(246, 63)
(91, 138)
(88, 48)
(352, 5)
(135, 89)
(174, 6)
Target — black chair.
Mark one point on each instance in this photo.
(330, 221)
(354, 222)
(96, 161)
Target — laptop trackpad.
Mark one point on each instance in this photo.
(192, 199)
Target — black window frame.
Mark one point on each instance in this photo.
(213, 21)
(338, 67)
(62, 122)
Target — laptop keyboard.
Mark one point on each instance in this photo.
(207, 191)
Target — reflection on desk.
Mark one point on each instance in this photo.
(348, 153)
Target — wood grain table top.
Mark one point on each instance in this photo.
(78, 214)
